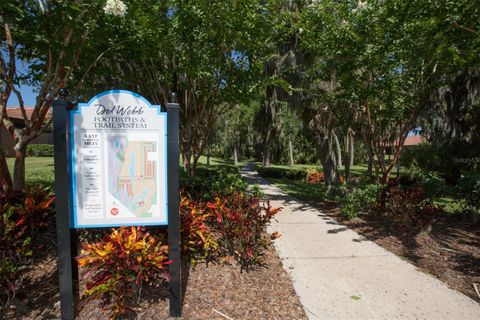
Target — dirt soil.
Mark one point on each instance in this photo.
(216, 291)
(450, 252)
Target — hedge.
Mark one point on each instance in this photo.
(272, 172)
(40, 150)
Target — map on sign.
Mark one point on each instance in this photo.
(119, 162)
(132, 173)
(131, 177)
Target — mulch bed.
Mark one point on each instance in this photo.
(450, 252)
(213, 291)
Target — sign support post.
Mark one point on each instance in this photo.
(175, 268)
(66, 249)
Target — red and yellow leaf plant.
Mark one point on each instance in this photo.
(117, 267)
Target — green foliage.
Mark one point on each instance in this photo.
(119, 265)
(40, 150)
(359, 200)
(256, 191)
(287, 173)
(448, 160)
(208, 183)
(468, 193)
(433, 185)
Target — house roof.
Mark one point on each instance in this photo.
(15, 113)
(414, 140)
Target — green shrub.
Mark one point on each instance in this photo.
(467, 191)
(40, 150)
(208, 183)
(448, 160)
(280, 173)
(359, 200)
(432, 184)
(256, 191)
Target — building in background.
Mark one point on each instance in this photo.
(16, 116)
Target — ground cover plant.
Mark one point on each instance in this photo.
(241, 221)
(23, 219)
(359, 200)
(120, 265)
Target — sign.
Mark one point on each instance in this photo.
(118, 161)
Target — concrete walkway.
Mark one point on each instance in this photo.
(339, 275)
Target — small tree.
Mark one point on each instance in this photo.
(61, 30)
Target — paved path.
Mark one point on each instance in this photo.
(339, 275)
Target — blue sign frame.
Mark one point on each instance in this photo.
(73, 190)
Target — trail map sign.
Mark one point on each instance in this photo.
(119, 161)
(112, 156)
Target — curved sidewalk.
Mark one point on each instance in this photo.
(338, 274)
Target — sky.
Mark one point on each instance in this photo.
(27, 92)
(28, 97)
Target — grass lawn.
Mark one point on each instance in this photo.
(308, 192)
(37, 170)
(300, 189)
(356, 170)
(217, 162)
(41, 169)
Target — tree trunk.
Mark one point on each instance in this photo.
(328, 160)
(371, 159)
(370, 166)
(290, 150)
(348, 152)
(352, 150)
(5, 177)
(19, 166)
(235, 154)
(208, 160)
(339, 150)
(186, 162)
(266, 157)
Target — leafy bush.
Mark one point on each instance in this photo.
(221, 217)
(359, 200)
(445, 160)
(21, 218)
(407, 207)
(118, 266)
(240, 222)
(209, 183)
(198, 240)
(40, 150)
(279, 173)
(256, 191)
(314, 176)
(432, 184)
(467, 192)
